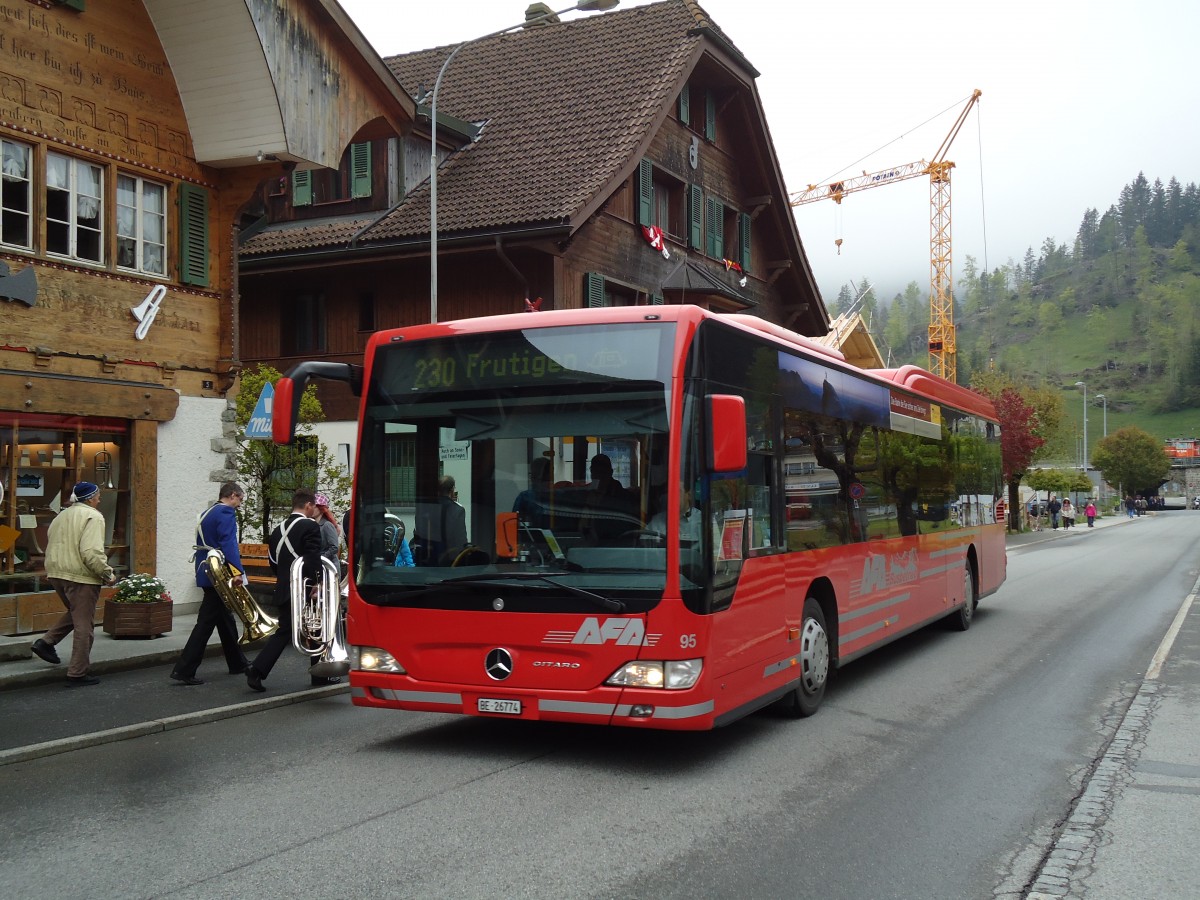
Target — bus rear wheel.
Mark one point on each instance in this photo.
(960, 619)
(805, 699)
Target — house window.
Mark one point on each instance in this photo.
(669, 201)
(16, 196)
(736, 236)
(351, 180)
(141, 225)
(661, 200)
(366, 312)
(600, 291)
(303, 327)
(74, 208)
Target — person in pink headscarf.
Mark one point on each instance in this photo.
(330, 532)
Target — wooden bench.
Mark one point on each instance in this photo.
(258, 570)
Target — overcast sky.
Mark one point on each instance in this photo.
(1078, 97)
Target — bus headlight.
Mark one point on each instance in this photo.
(672, 674)
(373, 659)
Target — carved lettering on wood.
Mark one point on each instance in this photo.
(54, 68)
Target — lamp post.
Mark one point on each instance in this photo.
(581, 6)
(1085, 455)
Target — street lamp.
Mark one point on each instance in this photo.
(1085, 455)
(1105, 401)
(581, 6)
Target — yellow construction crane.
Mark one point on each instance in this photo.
(942, 347)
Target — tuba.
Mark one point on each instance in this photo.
(227, 581)
(317, 628)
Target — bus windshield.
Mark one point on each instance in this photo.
(536, 455)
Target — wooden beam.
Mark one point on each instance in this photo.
(35, 392)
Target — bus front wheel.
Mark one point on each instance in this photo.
(805, 699)
(960, 619)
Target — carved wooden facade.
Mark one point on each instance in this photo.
(127, 173)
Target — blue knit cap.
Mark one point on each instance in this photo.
(85, 490)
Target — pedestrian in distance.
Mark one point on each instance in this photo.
(297, 537)
(1055, 507)
(1129, 506)
(1067, 512)
(216, 529)
(1090, 512)
(76, 567)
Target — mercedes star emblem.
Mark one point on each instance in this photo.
(499, 664)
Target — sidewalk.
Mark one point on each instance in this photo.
(29, 687)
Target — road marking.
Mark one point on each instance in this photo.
(1160, 655)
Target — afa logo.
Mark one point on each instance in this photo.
(619, 630)
(880, 572)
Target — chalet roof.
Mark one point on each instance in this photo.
(849, 334)
(565, 112)
(563, 108)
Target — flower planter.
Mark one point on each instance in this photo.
(137, 619)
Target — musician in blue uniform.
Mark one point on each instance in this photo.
(216, 529)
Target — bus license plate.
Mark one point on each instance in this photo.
(508, 707)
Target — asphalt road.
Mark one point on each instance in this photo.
(939, 767)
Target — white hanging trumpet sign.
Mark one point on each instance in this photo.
(145, 311)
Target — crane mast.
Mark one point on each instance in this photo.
(943, 350)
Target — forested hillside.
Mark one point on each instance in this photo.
(1119, 309)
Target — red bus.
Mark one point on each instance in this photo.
(649, 516)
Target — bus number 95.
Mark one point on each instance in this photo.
(687, 641)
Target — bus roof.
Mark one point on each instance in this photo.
(909, 378)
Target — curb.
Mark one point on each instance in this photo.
(54, 674)
(154, 726)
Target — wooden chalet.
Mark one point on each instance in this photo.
(135, 135)
(616, 159)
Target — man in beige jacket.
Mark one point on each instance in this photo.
(76, 565)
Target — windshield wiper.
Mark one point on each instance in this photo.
(609, 603)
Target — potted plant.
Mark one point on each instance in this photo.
(140, 606)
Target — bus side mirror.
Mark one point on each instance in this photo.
(290, 388)
(284, 409)
(726, 433)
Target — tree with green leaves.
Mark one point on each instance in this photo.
(1133, 460)
(271, 473)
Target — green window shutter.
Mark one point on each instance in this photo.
(685, 112)
(360, 170)
(656, 299)
(302, 188)
(714, 213)
(645, 192)
(696, 216)
(593, 289)
(710, 116)
(744, 241)
(193, 235)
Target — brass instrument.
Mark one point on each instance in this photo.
(102, 466)
(227, 581)
(317, 628)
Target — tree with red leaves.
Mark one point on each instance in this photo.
(1020, 439)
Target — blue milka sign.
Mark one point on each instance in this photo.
(259, 426)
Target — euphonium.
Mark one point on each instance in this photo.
(227, 581)
(317, 620)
